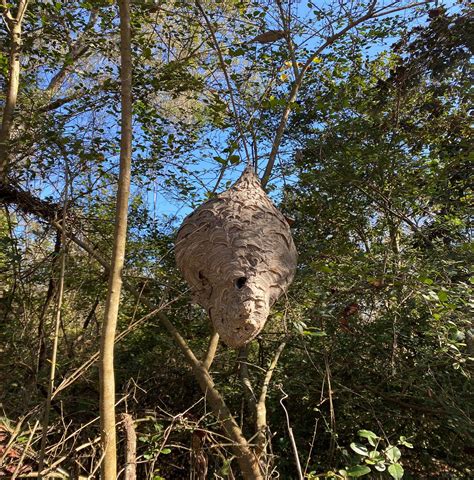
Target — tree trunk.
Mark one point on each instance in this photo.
(130, 472)
(107, 374)
(13, 83)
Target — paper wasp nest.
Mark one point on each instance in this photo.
(237, 254)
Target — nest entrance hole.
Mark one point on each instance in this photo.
(240, 282)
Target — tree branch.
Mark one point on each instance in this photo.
(130, 448)
(292, 437)
(249, 393)
(261, 409)
(54, 353)
(386, 205)
(78, 49)
(371, 13)
(289, 42)
(211, 351)
(226, 76)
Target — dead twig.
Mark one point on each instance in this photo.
(290, 434)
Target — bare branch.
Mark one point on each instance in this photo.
(6, 11)
(78, 49)
(226, 76)
(289, 42)
(261, 420)
(249, 393)
(23, 454)
(21, 11)
(130, 448)
(292, 437)
(386, 205)
(52, 371)
(211, 351)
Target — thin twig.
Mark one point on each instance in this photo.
(290, 433)
(289, 41)
(261, 419)
(23, 454)
(227, 79)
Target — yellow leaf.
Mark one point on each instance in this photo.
(317, 60)
(283, 76)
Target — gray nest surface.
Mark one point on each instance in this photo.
(237, 254)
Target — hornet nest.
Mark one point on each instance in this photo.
(237, 254)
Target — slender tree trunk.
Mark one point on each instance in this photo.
(130, 447)
(41, 355)
(261, 408)
(52, 372)
(107, 374)
(61, 248)
(14, 24)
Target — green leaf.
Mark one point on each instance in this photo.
(316, 333)
(237, 52)
(225, 470)
(396, 471)
(370, 436)
(234, 159)
(146, 53)
(166, 451)
(375, 456)
(403, 441)
(443, 296)
(360, 449)
(221, 160)
(393, 453)
(358, 471)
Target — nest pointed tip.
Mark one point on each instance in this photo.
(248, 175)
